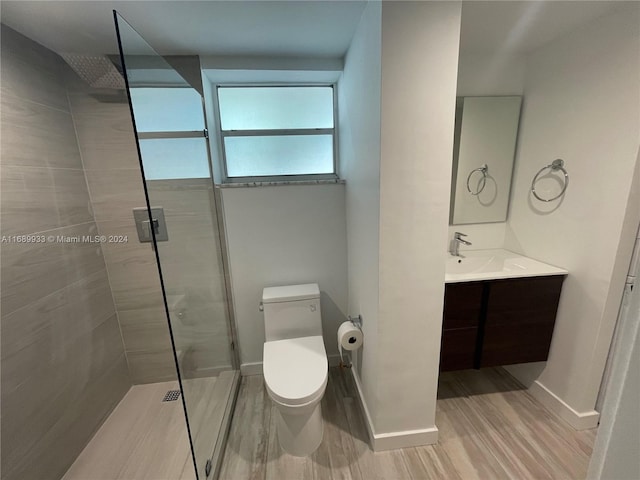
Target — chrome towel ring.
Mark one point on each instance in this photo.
(557, 164)
(484, 169)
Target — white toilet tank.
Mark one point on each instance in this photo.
(291, 311)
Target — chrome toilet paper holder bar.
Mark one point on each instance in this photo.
(357, 321)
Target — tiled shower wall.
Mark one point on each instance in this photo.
(107, 145)
(63, 364)
(192, 272)
(190, 259)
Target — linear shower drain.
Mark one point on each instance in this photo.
(171, 396)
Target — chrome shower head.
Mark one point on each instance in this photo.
(97, 70)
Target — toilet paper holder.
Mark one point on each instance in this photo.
(357, 321)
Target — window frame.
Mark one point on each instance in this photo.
(178, 134)
(222, 134)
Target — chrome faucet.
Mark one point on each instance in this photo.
(455, 244)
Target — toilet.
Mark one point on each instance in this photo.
(295, 364)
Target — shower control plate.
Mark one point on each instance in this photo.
(144, 225)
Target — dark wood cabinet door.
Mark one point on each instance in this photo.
(518, 343)
(523, 300)
(462, 305)
(520, 319)
(458, 349)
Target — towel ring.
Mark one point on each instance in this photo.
(556, 165)
(483, 169)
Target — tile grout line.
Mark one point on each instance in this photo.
(32, 102)
(98, 228)
(41, 167)
(56, 292)
(41, 232)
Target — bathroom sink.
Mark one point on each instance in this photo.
(495, 264)
(486, 263)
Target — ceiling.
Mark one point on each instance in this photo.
(278, 28)
(522, 26)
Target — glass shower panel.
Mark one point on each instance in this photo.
(169, 119)
(167, 109)
(172, 158)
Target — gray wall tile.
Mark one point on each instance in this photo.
(31, 71)
(146, 337)
(114, 193)
(39, 199)
(75, 309)
(63, 365)
(32, 271)
(190, 259)
(36, 135)
(109, 153)
(151, 366)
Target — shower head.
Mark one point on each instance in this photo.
(97, 70)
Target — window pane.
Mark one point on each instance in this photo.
(168, 158)
(279, 155)
(167, 109)
(262, 108)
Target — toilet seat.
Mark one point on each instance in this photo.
(295, 370)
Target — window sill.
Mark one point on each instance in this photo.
(278, 183)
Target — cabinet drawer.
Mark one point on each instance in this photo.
(523, 300)
(462, 305)
(516, 343)
(458, 349)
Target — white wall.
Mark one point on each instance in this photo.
(285, 235)
(486, 74)
(397, 105)
(581, 104)
(481, 235)
(419, 67)
(359, 110)
(490, 73)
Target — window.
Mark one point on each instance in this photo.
(277, 131)
(170, 125)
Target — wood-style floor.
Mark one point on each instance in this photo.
(490, 428)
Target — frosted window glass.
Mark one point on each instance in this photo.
(167, 109)
(169, 158)
(262, 108)
(279, 155)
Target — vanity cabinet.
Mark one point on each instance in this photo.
(498, 322)
(462, 307)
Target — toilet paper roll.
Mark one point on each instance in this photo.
(349, 337)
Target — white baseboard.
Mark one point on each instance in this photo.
(248, 369)
(255, 368)
(578, 420)
(392, 440)
(405, 439)
(363, 407)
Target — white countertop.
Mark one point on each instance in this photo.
(477, 265)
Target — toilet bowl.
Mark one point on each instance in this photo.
(295, 365)
(295, 374)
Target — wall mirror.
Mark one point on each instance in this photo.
(484, 149)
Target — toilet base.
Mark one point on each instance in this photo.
(300, 435)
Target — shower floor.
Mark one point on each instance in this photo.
(145, 438)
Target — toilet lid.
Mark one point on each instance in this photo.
(295, 370)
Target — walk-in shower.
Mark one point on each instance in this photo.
(118, 357)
